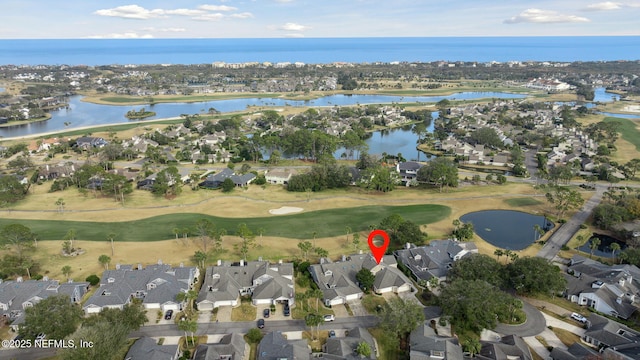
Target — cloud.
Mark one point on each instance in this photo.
(294, 27)
(125, 35)
(284, 1)
(607, 5)
(209, 17)
(217, 8)
(244, 15)
(184, 12)
(131, 12)
(544, 16)
(172, 29)
(294, 35)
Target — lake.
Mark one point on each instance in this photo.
(81, 113)
(507, 229)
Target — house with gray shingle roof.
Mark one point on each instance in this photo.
(214, 181)
(434, 259)
(274, 346)
(577, 351)
(609, 289)
(147, 348)
(16, 296)
(337, 280)
(230, 347)
(619, 341)
(344, 347)
(509, 347)
(157, 286)
(425, 344)
(266, 283)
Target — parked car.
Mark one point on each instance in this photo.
(578, 317)
(329, 318)
(265, 313)
(332, 333)
(260, 323)
(287, 310)
(168, 315)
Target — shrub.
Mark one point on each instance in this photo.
(254, 335)
(93, 279)
(583, 226)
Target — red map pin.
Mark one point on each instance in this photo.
(378, 252)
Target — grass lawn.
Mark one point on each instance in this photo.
(388, 350)
(517, 202)
(245, 312)
(567, 337)
(628, 130)
(371, 303)
(325, 223)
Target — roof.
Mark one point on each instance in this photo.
(147, 348)
(424, 344)
(214, 180)
(409, 165)
(609, 332)
(343, 347)
(576, 351)
(15, 293)
(274, 346)
(153, 284)
(509, 347)
(434, 259)
(231, 347)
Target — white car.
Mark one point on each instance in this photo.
(578, 317)
(329, 318)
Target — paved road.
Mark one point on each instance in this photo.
(562, 235)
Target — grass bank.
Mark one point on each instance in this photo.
(321, 223)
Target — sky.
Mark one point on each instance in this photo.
(46, 19)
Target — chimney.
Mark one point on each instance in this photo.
(242, 262)
(181, 265)
(407, 246)
(259, 258)
(19, 279)
(280, 261)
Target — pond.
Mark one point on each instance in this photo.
(604, 249)
(507, 229)
(81, 113)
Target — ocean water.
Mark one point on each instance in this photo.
(317, 50)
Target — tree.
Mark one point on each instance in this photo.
(92, 279)
(17, 236)
(228, 185)
(60, 204)
(66, 271)
(200, 258)
(188, 297)
(477, 267)
(365, 279)
(116, 185)
(439, 172)
(11, 190)
(305, 247)
(472, 345)
(363, 349)
(248, 240)
(593, 245)
(312, 320)
(501, 179)
(614, 247)
(254, 335)
(322, 253)
(106, 338)
(464, 232)
(110, 238)
(400, 317)
(205, 230)
(104, 260)
(498, 253)
(537, 232)
(564, 199)
(355, 240)
(535, 275)
(70, 236)
(54, 316)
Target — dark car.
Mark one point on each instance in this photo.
(168, 315)
(265, 313)
(332, 333)
(261, 324)
(287, 310)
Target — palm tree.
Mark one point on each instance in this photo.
(355, 240)
(104, 260)
(593, 245)
(508, 253)
(71, 235)
(188, 326)
(473, 346)
(187, 297)
(348, 230)
(66, 271)
(456, 223)
(498, 253)
(614, 247)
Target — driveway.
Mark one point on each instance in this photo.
(357, 308)
(224, 313)
(534, 325)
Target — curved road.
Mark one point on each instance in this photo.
(534, 324)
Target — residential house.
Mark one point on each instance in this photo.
(18, 295)
(278, 176)
(434, 259)
(274, 346)
(231, 347)
(337, 280)
(86, 142)
(52, 172)
(156, 286)
(408, 171)
(146, 348)
(577, 351)
(214, 181)
(266, 284)
(509, 347)
(425, 344)
(610, 289)
(612, 338)
(343, 347)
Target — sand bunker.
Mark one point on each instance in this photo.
(285, 210)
